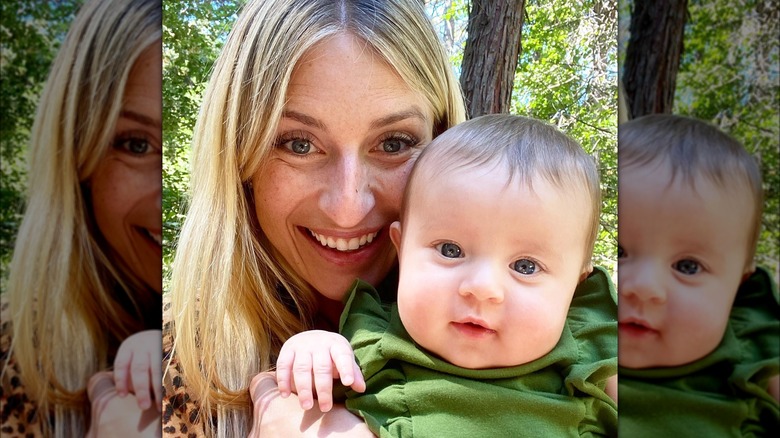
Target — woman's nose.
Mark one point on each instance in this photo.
(483, 283)
(642, 280)
(348, 198)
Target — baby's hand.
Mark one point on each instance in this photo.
(137, 368)
(322, 355)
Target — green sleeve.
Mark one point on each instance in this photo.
(592, 319)
(365, 322)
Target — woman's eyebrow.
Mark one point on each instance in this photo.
(140, 118)
(303, 118)
(413, 112)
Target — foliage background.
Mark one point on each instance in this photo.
(730, 75)
(30, 35)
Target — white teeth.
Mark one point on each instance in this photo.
(156, 237)
(344, 244)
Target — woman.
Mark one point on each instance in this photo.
(86, 272)
(310, 123)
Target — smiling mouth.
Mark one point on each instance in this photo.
(341, 244)
(157, 238)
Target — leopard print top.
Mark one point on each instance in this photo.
(19, 413)
(180, 413)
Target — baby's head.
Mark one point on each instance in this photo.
(689, 216)
(499, 220)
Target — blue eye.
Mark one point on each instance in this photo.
(297, 143)
(299, 146)
(393, 146)
(687, 266)
(450, 250)
(524, 266)
(396, 142)
(133, 145)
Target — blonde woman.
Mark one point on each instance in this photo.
(312, 119)
(86, 272)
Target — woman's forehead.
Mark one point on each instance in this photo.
(340, 76)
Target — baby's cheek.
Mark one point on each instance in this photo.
(698, 328)
(540, 328)
(409, 310)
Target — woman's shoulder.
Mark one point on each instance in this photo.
(18, 410)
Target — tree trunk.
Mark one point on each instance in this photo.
(491, 54)
(653, 55)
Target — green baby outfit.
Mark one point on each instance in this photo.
(722, 394)
(411, 392)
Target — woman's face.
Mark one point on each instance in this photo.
(350, 132)
(127, 184)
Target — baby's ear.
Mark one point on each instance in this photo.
(586, 271)
(395, 236)
(749, 270)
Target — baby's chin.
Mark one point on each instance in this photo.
(669, 359)
(483, 361)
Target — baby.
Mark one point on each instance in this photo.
(502, 324)
(698, 324)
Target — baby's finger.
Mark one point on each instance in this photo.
(284, 366)
(302, 376)
(359, 384)
(344, 362)
(322, 368)
(141, 385)
(121, 366)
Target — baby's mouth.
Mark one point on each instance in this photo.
(635, 327)
(473, 328)
(342, 244)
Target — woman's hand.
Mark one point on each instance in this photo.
(277, 416)
(113, 415)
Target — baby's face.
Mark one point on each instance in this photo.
(488, 270)
(682, 255)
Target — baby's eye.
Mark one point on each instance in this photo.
(687, 266)
(449, 250)
(524, 266)
(621, 252)
(133, 145)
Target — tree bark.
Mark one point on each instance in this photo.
(653, 55)
(491, 54)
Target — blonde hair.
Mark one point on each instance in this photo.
(693, 148)
(234, 299)
(528, 148)
(65, 290)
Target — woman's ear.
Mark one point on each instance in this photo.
(395, 236)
